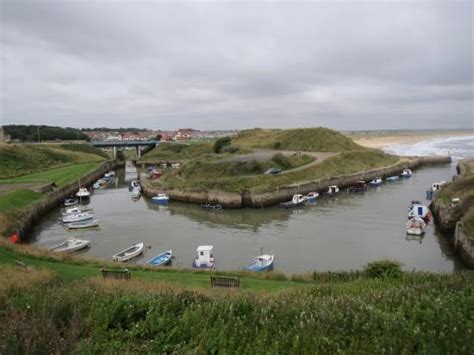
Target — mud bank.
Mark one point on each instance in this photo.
(249, 198)
(55, 198)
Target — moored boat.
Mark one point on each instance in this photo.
(420, 211)
(161, 259)
(83, 225)
(129, 253)
(297, 200)
(406, 173)
(416, 226)
(161, 199)
(212, 207)
(75, 210)
(376, 181)
(135, 185)
(83, 193)
(70, 202)
(78, 217)
(392, 178)
(136, 193)
(204, 258)
(332, 190)
(311, 197)
(70, 245)
(261, 263)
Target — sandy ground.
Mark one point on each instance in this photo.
(383, 140)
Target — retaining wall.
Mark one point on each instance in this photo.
(249, 198)
(55, 198)
(464, 244)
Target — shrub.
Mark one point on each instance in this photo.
(383, 269)
(120, 155)
(281, 160)
(276, 145)
(221, 143)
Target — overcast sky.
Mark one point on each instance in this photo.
(219, 65)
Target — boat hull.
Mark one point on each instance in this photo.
(415, 231)
(129, 253)
(161, 259)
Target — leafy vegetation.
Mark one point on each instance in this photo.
(178, 151)
(84, 148)
(412, 313)
(384, 269)
(220, 143)
(302, 139)
(22, 159)
(30, 133)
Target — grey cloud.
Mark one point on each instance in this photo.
(346, 65)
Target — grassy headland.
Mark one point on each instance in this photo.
(64, 307)
(295, 148)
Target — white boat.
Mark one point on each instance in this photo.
(311, 197)
(204, 258)
(261, 263)
(70, 202)
(135, 185)
(78, 217)
(136, 193)
(110, 174)
(436, 186)
(416, 226)
(332, 190)
(420, 211)
(75, 210)
(83, 224)
(406, 173)
(297, 200)
(129, 253)
(83, 192)
(376, 181)
(70, 245)
(161, 199)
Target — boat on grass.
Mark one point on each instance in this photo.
(205, 258)
(83, 225)
(70, 245)
(261, 263)
(376, 181)
(416, 226)
(129, 253)
(359, 186)
(297, 200)
(161, 259)
(161, 199)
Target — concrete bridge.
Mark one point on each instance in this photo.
(115, 144)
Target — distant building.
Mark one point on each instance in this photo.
(3, 136)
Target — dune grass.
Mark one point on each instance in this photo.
(18, 199)
(60, 176)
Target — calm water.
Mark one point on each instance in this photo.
(334, 234)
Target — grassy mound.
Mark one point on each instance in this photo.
(342, 164)
(22, 159)
(301, 139)
(403, 313)
(178, 151)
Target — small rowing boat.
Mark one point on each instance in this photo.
(161, 199)
(376, 181)
(297, 200)
(83, 224)
(161, 259)
(261, 263)
(70, 245)
(416, 226)
(78, 217)
(129, 253)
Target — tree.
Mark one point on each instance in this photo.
(221, 143)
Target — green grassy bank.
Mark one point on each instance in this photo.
(68, 309)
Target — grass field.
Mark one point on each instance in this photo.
(18, 199)
(60, 176)
(60, 307)
(23, 159)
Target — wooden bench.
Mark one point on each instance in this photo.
(224, 281)
(116, 274)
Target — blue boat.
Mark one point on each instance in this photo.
(161, 259)
(261, 263)
(161, 199)
(392, 178)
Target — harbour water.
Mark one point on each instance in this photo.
(334, 234)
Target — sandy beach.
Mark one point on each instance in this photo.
(389, 139)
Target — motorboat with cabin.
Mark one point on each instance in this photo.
(297, 200)
(135, 185)
(261, 263)
(311, 197)
(416, 226)
(70, 245)
(420, 211)
(433, 190)
(204, 258)
(83, 193)
(332, 190)
(129, 253)
(406, 173)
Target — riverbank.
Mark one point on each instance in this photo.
(252, 198)
(458, 218)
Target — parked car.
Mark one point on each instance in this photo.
(273, 171)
